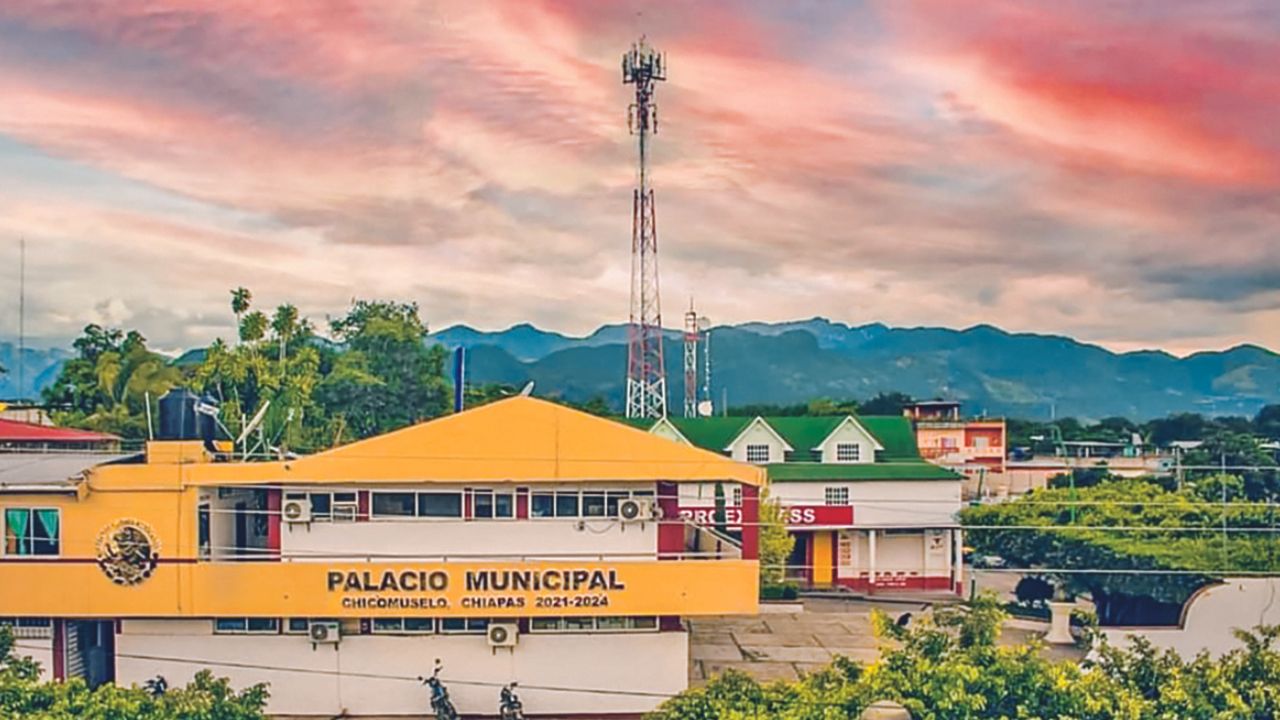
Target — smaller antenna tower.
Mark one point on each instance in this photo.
(696, 330)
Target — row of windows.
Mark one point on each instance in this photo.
(580, 503)
(430, 626)
(32, 531)
(485, 504)
(845, 452)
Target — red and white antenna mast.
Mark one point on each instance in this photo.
(646, 373)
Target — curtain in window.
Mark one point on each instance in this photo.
(48, 519)
(15, 526)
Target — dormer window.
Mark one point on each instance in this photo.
(758, 454)
(848, 452)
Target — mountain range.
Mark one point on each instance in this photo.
(991, 371)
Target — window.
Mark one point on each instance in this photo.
(393, 504)
(589, 624)
(345, 506)
(836, 495)
(203, 543)
(575, 504)
(737, 496)
(463, 625)
(593, 504)
(245, 626)
(297, 626)
(409, 504)
(757, 453)
(488, 504)
(31, 531)
(440, 504)
(567, 504)
(403, 626)
(28, 628)
(848, 452)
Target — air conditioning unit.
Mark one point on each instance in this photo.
(502, 635)
(345, 511)
(636, 510)
(296, 510)
(324, 631)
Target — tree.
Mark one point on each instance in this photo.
(23, 695)
(1109, 534)
(890, 403)
(253, 327)
(240, 300)
(1267, 422)
(388, 377)
(947, 665)
(775, 542)
(284, 324)
(107, 386)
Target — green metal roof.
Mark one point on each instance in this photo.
(895, 433)
(711, 433)
(803, 434)
(801, 471)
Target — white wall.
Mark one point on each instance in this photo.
(490, 538)
(883, 503)
(926, 553)
(758, 433)
(434, 537)
(848, 433)
(1210, 617)
(327, 681)
(38, 649)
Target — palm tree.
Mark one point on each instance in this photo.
(240, 298)
(253, 327)
(283, 324)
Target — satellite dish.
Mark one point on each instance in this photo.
(527, 390)
(253, 424)
(704, 408)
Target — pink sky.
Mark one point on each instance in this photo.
(1104, 170)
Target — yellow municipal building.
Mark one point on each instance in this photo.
(519, 541)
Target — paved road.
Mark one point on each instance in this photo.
(783, 646)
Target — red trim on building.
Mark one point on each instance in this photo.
(670, 527)
(522, 503)
(468, 504)
(362, 505)
(59, 650)
(750, 522)
(808, 556)
(273, 520)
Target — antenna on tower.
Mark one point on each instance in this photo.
(646, 373)
(691, 362)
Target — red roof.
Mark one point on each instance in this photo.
(14, 431)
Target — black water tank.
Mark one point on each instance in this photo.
(178, 416)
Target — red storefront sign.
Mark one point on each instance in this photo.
(797, 515)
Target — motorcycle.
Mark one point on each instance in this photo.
(441, 705)
(509, 705)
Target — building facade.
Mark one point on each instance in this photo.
(519, 541)
(867, 512)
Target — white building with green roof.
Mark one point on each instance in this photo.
(868, 513)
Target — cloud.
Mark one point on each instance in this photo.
(1088, 168)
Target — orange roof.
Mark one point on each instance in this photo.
(519, 440)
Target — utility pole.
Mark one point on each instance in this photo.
(22, 316)
(642, 66)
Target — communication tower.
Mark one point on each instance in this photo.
(642, 66)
